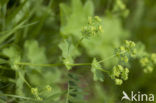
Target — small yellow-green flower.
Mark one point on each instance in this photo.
(153, 57)
(144, 61)
(48, 87)
(125, 74)
(118, 81)
(34, 91)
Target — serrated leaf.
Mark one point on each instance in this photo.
(95, 68)
(74, 18)
(75, 94)
(13, 54)
(69, 52)
(88, 8)
(34, 53)
(64, 11)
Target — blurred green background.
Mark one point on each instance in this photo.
(31, 31)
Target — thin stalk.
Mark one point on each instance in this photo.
(41, 65)
(78, 43)
(50, 65)
(110, 57)
(80, 64)
(106, 71)
(107, 58)
(16, 96)
(24, 80)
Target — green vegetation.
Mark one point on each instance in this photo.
(76, 51)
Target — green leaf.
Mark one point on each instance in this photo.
(96, 70)
(13, 13)
(34, 53)
(74, 17)
(89, 8)
(104, 44)
(68, 61)
(75, 94)
(64, 11)
(69, 52)
(14, 55)
(6, 34)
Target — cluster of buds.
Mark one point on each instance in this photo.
(126, 51)
(34, 91)
(119, 74)
(148, 62)
(123, 53)
(153, 57)
(93, 27)
(48, 88)
(120, 6)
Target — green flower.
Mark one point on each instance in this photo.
(120, 74)
(148, 69)
(118, 81)
(125, 59)
(125, 74)
(34, 91)
(144, 61)
(153, 57)
(120, 4)
(48, 88)
(93, 27)
(117, 70)
(126, 51)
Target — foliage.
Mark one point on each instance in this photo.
(75, 51)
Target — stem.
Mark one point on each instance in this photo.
(16, 96)
(78, 43)
(24, 80)
(41, 65)
(80, 64)
(107, 58)
(50, 65)
(110, 57)
(106, 71)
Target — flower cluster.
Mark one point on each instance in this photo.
(153, 57)
(123, 53)
(120, 6)
(34, 91)
(148, 62)
(126, 51)
(93, 27)
(119, 74)
(48, 88)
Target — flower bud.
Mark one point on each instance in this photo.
(34, 91)
(144, 61)
(125, 74)
(153, 57)
(118, 81)
(48, 87)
